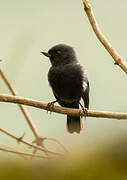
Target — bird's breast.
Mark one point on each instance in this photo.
(66, 82)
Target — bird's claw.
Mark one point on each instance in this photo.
(83, 112)
(50, 106)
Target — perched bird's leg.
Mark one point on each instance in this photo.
(50, 106)
(83, 109)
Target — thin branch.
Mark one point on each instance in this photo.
(117, 58)
(38, 139)
(58, 142)
(24, 111)
(62, 110)
(27, 143)
(21, 153)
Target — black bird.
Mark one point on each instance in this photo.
(68, 81)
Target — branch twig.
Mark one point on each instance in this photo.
(27, 143)
(21, 153)
(61, 110)
(117, 58)
(38, 139)
(58, 142)
(24, 111)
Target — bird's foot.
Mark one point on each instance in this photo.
(84, 110)
(50, 106)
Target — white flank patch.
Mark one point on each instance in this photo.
(85, 86)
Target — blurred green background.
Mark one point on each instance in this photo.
(27, 27)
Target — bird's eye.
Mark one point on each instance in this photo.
(58, 52)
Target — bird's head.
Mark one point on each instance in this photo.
(61, 54)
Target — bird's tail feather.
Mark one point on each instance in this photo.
(74, 124)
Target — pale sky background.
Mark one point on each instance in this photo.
(26, 28)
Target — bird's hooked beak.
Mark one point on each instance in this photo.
(46, 54)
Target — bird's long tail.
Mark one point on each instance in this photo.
(74, 124)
